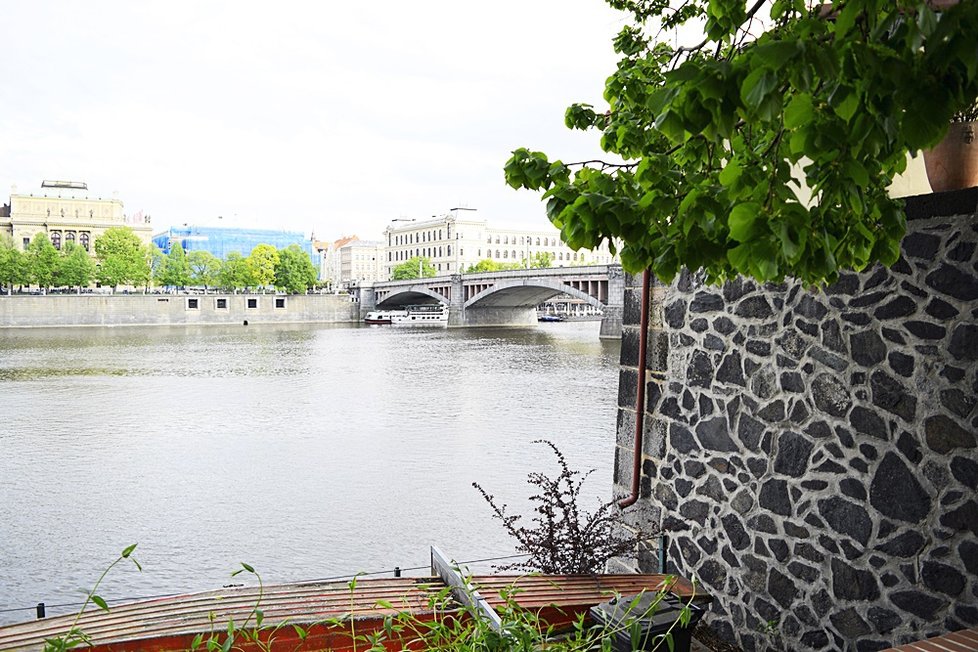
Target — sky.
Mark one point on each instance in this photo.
(323, 117)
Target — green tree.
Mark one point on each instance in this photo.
(235, 273)
(484, 265)
(157, 264)
(413, 268)
(176, 270)
(13, 265)
(541, 260)
(76, 268)
(122, 258)
(294, 273)
(709, 139)
(263, 262)
(204, 267)
(42, 260)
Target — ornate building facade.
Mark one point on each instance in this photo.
(64, 211)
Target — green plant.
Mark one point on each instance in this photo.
(564, 539)
(75, 637)
(711, 141)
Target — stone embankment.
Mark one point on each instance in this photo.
(23, 311)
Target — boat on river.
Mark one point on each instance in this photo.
(376, 317)
(549, 318)
(429, 314)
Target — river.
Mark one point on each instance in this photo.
(306, 451)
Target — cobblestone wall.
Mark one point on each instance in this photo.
(812, 455)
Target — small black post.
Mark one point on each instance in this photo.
(663, 556)
(397, 571)
(40, 610)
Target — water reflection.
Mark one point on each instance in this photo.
(306, 451)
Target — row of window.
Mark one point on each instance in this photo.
(423, 236)
(221, 303)
(427, 252)
(84, 239)
(507, 239)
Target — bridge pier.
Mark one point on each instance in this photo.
(367, 299)
(611, 320)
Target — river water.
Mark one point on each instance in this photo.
(306, 451)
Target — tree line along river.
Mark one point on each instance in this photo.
(305, 451)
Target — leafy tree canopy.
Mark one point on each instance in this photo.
(76, 268)
(122, 257)
(262, 262)
(204, 267)
(489, 265)
(176, 270)
(235, 273)
(42, 260)
(710, 138)
(12, 264)
(541, 260)
(294, 272)
(415, 267)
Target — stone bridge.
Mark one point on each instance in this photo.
(507, 298)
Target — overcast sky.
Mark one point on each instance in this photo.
(313, 116)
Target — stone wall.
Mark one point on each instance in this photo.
(811, 455)
(19, 311)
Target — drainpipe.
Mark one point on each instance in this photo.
(640, 394)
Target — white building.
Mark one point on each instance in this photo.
(459, 239)
(360, 261)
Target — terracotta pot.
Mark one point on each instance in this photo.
(953, 163)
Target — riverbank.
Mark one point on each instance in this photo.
(31, 311)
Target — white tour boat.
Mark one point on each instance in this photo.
(382, 316)
(422, 315)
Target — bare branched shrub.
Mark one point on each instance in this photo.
(563, 539)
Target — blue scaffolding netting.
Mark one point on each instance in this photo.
(221, 241)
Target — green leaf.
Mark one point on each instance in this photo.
(756, 87)
(741, 221)
(846, 105)
(799, 111)
(247, 567)
(100, 602)
(730, 173)
(128, 550)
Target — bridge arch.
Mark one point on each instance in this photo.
(410, 295)
(524, 292)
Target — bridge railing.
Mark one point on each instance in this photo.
(580, 270)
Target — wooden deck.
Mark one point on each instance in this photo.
(965, 640)
(320, 610)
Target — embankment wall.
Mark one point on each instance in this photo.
(23, 311)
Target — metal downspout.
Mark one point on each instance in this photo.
(643, 337)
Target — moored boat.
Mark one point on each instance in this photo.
(375, 317)
(428, 314)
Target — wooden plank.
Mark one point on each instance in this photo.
(462, 589)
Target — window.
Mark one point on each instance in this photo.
(69, 237)
(439, 252)
(56, 239)
(193, 303)
(505, 254)
(83, 240)
(279, 302)
(514, 254)
(252, 303)
(497, 239)
(27, 242)
(505, 239)
(450, 250)
(221, 303)
(538, 242)
(497, 254)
